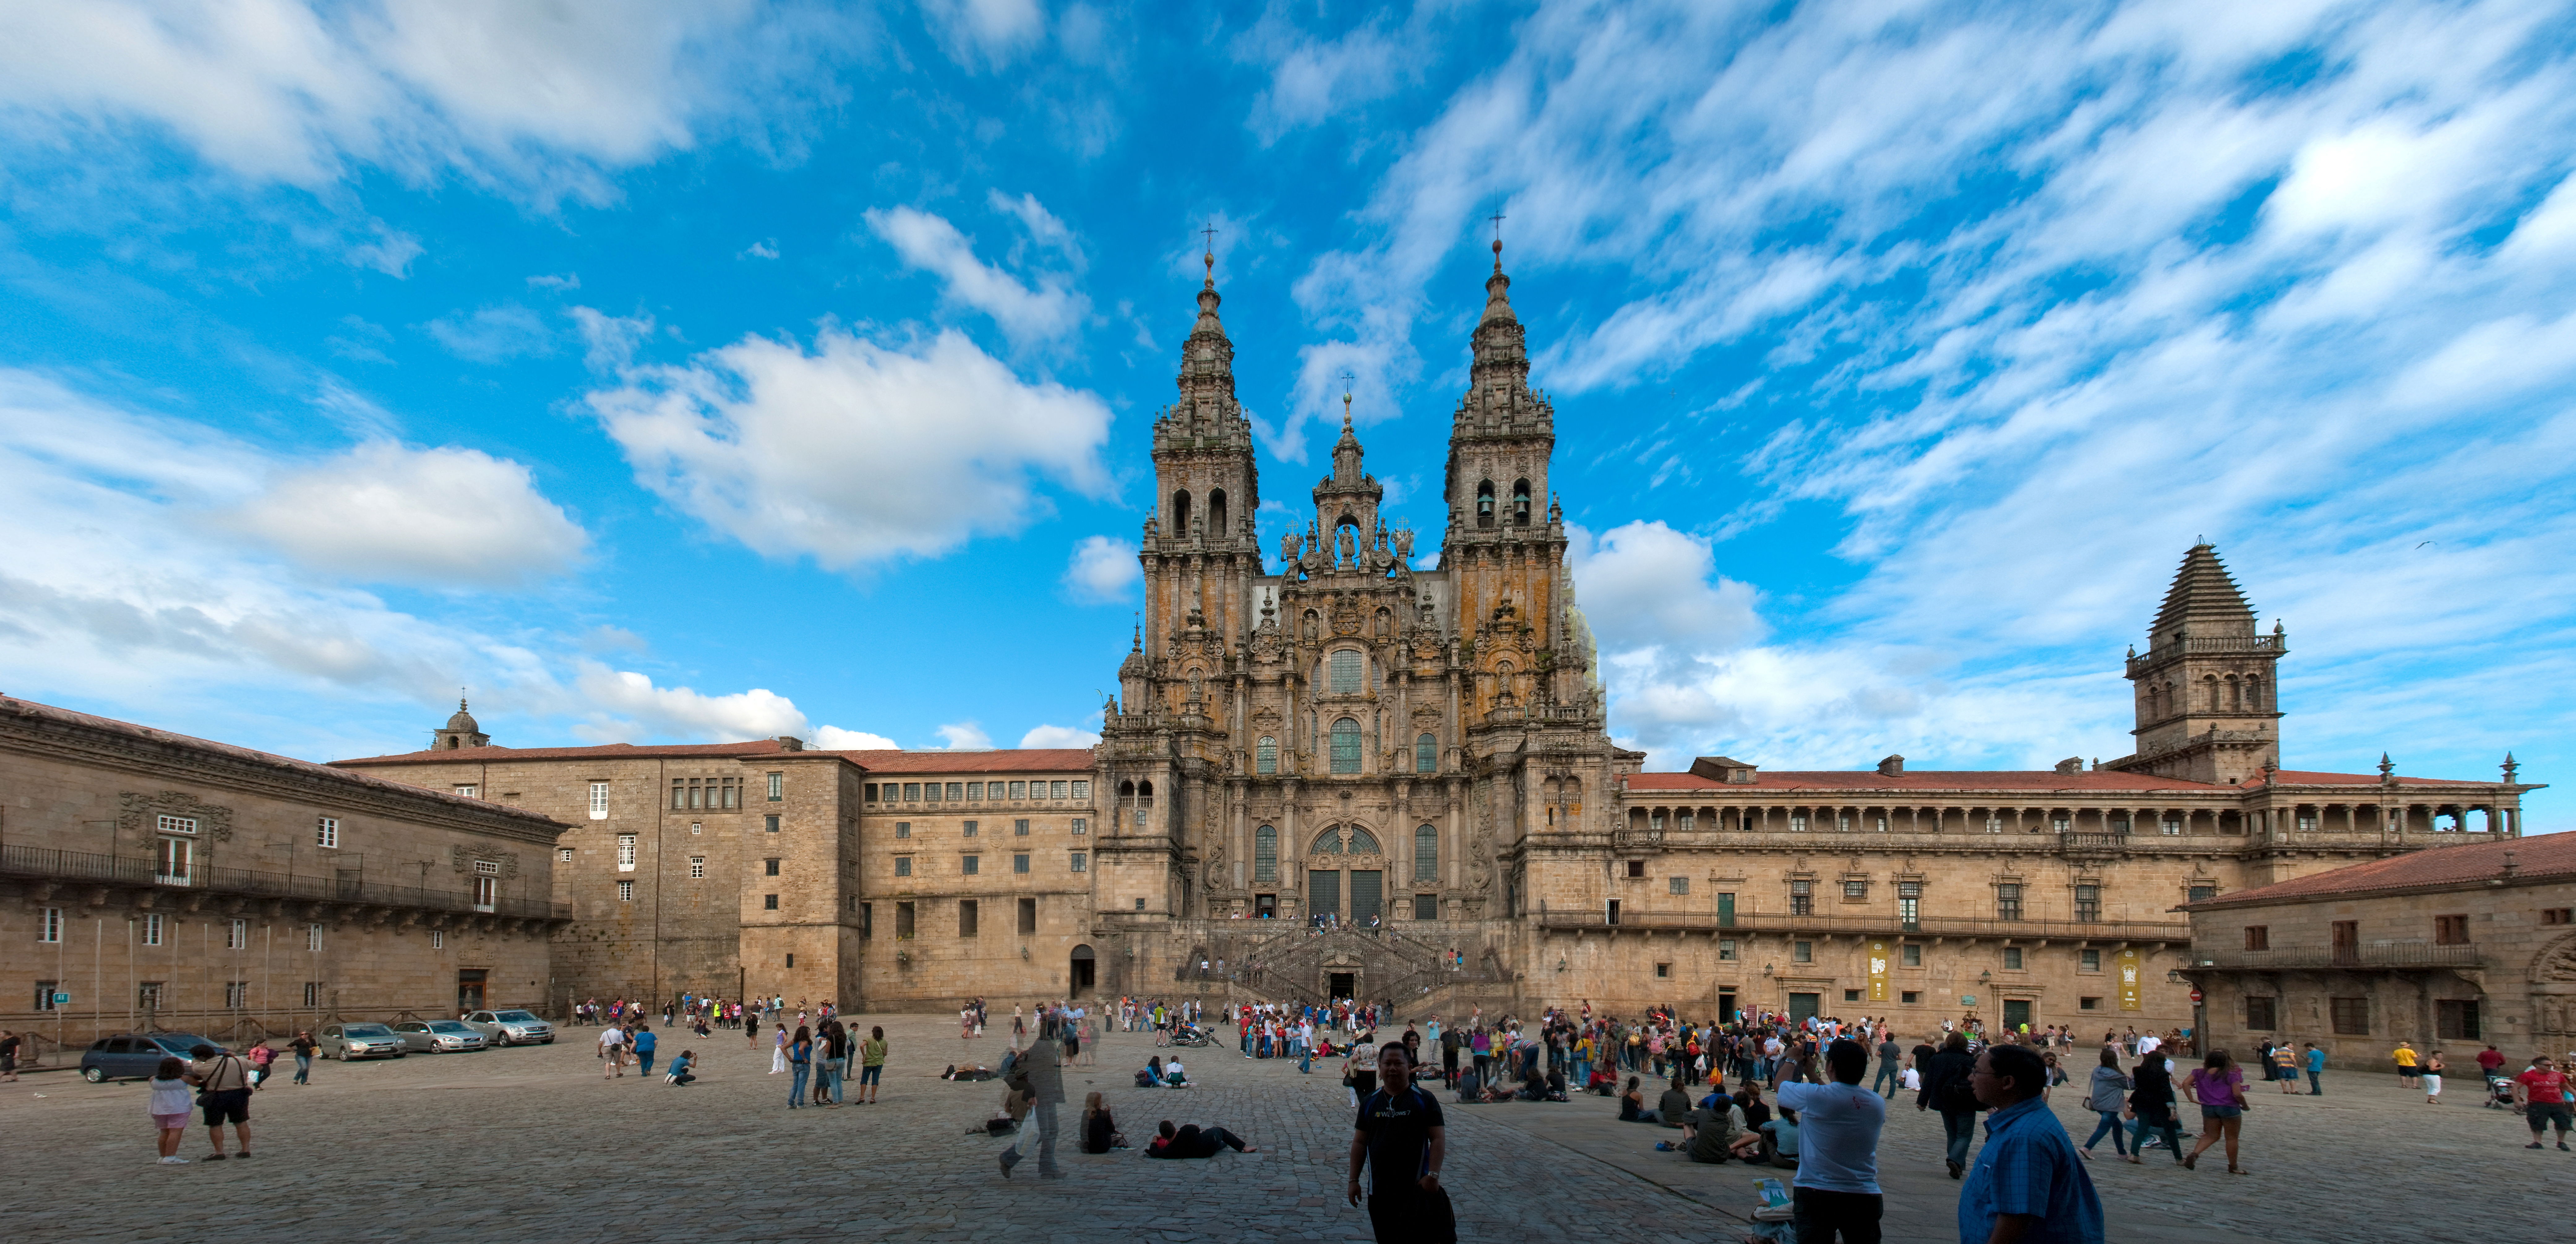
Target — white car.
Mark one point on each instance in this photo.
(511, 1027)
(438, 1036)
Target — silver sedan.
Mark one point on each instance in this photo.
(348, 1041)
(438, 1036)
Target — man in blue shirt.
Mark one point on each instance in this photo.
(2316, 1070)
(1837, 1185)
(644, 1042)
(2027, 1187)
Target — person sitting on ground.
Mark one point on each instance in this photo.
(1152, 1075)
(1673, 1105)
(1632, 1105)
(1776, 1143)
(1099, 1132)
(682, 1068)
(1192, 1141)
(1173, 1077)
(971, 1071)
(1709, 1134)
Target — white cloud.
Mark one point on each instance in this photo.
(494, 334)
(836, 739)
(1102, 570)
(563, 284)
(385, 512)
(623, 705)
(1026, 314)
(1646, 585)
(855, 452)
(1059, 736)
(964, 736)
(764, 249)
(985, 32)
(1043, 228)
(1313, 79)
(541, 97)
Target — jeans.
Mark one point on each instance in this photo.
(1889, 1076)
(644, 1062)
(1961, 1127)
(2111, 1124)
(1305, 1060)
(1820, 1214)
(829, 1083)
(303, 1068)
(1582, 1075)
(2315, 1088)
(796, 1083)
(1041, 1122)
(2170, 1130)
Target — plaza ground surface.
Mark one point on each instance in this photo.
(531, 1144)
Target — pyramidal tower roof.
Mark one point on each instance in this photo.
(2204, 597)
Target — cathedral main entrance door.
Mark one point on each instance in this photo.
(1344, 984)
(1368, 889)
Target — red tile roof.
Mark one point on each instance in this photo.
(1926, 780)
(604, 751)
(2545, 857)
(52, 714)
(999, 760)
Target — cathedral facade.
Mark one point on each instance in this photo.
(1418, 760)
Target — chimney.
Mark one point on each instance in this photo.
(2072, 764)
(2508, 863)
(1892, 766)
(790, 743)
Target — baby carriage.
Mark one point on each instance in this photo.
(1190, 1036)
(2500, 1094)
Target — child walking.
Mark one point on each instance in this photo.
(169, 1106)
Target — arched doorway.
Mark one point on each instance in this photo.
(1079, 980)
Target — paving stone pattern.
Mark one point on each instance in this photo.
(530, 1143)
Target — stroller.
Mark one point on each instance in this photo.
(2500, 1094)
(1190, 1035)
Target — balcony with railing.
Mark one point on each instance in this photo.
(1862, 924)
(44, 863)
(2210, 645)
(2374, 956)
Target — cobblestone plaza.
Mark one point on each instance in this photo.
(531, 1144)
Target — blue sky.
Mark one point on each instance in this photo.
(716, 370)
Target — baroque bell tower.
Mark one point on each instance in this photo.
(1199, 548)
(2207, 690)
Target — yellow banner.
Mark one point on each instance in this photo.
(1878, 971)
(2131, 965)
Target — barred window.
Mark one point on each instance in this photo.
(1265, 855)
(1426, 852)
(697, 867)
(1346, 746)
(1265, 755)
(1802, 898)
(2008, 901)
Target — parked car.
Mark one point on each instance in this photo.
(347, 1041)
(511, 1027)
(438, 1036)
(136, 1055)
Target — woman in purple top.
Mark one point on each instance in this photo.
(2219, 1086)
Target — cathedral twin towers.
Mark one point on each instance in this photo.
(1339, 733)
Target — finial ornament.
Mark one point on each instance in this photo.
(1497, 219)
(1210, 257)
(2509, 768)
(2386, 769)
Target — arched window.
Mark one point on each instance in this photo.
(1265, 855)
(1363, 842)
(1426, 754)
(1216, 512)
(2214, 703)
(1345, 679)
(1521, 503)
(1328, 842)
(1485, 504)
(2254, 694)
(1181, 514)
(2235, 693)
(1426, 853)
(1265, 755)
(1346, 746)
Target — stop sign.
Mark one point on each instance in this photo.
(2195, 996)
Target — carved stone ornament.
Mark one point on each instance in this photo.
(138, 811)
(462, 860)
(1346, 616)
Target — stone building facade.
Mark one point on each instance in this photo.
(154, 879)
(1336, 733)
(2445, 950)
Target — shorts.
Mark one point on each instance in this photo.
(170, 1122)
(228, 1106)
(2540, 1113)
(868, 1075)
(2208, 1113)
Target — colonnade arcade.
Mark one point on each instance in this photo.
(1653, 821)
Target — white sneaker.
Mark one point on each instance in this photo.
(174, 1161)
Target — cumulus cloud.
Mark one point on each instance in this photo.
(385, 512)
(836, 739)
(1313, 78)
(964, 736)
(1025, 313)
(857, 451)
(1102, 570)
(494, 334)
(1645, 585)
(623, 705)
(1060, 736)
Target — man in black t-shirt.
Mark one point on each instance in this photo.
(1890, 1056)
(1399, 1139)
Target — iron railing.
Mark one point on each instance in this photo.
(2373, 955)
(58, 865)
